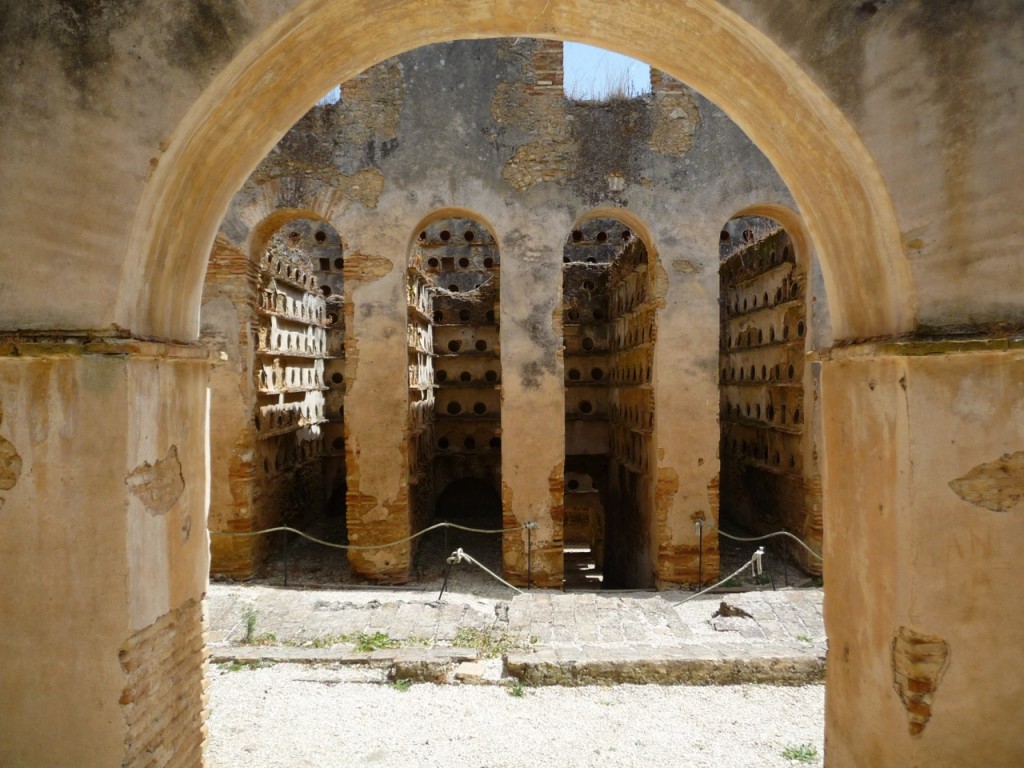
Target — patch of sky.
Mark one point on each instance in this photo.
(594, 74)
(333, 96)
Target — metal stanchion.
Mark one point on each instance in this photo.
(700, 554)
(529, 556)
(284, 557)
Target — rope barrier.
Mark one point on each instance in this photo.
(754, 563)
(443, 524)
(458, 556)
(768, 536)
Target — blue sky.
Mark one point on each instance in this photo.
(589, 71)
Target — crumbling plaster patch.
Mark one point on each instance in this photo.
(10, 462)
(158, 486)
(919, 661)
(996, 485)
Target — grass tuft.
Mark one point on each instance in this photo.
(800, 753)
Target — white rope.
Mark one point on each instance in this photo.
(458, 556)
(754, 562)
(443, 524)
(766, 536)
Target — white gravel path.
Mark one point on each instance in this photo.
(295, 716)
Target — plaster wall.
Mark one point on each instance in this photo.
(107, 541)
(930, 518)
(507, 148)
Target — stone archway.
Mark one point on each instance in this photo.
(274, 78)
(845, 204)
(848, 214)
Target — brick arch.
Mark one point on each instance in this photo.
(273, 80)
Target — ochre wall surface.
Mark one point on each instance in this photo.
(126, 130)
(923, 454)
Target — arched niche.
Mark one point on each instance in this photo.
(275, 319)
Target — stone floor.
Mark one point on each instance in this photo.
(307, 607)
(539, 636)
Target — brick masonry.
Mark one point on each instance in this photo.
(164, 670)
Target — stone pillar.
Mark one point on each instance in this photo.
(376, 415)
(924, 519)
(103, 552)
(686, 415)
(532, 406)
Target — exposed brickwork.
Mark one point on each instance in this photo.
(366, 117)
(535, 103)
(164, 692)
(918, 663)
(674, 115)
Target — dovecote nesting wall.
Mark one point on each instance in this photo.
(457, 268)
(608, 321)
(587, 258)
(770, 480)
(633, 333)
(286, 460)
(422, 400)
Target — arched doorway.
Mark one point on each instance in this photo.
(609, 322)
(273, 320)
(455, 380)
(768, 414)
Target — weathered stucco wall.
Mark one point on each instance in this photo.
(894, 125)
(104, 520)
(486, 124)
(930, 518)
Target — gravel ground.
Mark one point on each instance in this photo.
(297, 716)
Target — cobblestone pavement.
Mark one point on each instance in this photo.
(570, 637)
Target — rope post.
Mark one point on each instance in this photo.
(447, 573)
(529, 556)
(700, 554)
(285, 557)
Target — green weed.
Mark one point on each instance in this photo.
(237, 666)
(250, 625)
(490, 644)
(801, 753)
